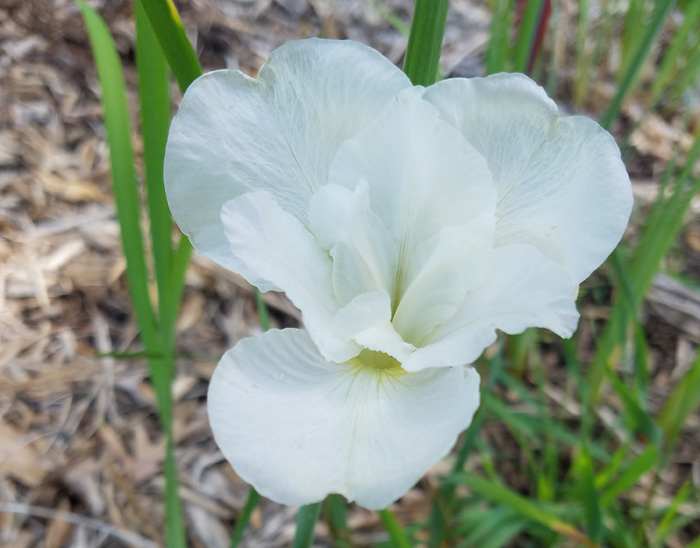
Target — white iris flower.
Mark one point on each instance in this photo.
(407, 224)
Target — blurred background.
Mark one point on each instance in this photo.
(80, 446)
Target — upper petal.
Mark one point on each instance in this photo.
(298, 428)
(561, 183)
(279, 132)
(423, 177)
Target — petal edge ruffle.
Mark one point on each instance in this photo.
(298, 428)
(561, 183)
(234, 134)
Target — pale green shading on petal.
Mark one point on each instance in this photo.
(366, 320)
(561, 183)
(234, 134)
(460, 260)
(298, 428)
(426, 184)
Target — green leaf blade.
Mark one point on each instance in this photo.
(425, 41)
(154, 97)
(306, 523)
(173, 39)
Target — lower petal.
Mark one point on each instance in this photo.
(299, 428)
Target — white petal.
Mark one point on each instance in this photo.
(366, 320)
(524, 289)
(423, 176)
(275, 249)
(298, 428)
(561, 183)
(460, 259)
(364, 254)
(234, 134)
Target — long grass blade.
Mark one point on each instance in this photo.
(658, 235)
(335, 516)
(154, 97)
(128, 213)
(306, 522)
(389, 16)
(425, 41)
(666, 524)
(493, 527)
(591, 503)
(396, 535)
(631, 35)
(173, 40)
(497, 52)
(675, 52)
(662, 10)
(116, 115)
(582, 71)
(174, 521)
(501, 494)
(527, 35)
(176, 285)
(243, 520)
(441, 507)
(631, 475)
(681, 402)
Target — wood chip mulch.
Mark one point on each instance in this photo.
(80, 446)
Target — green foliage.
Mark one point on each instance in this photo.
(498, 46)
(335, 516)
(576, 470)
(153, 73)
(640, 48)
(527, 35)
(173, 41)
(306, 522)
(243, 520)
(422, 60)
(396, 534)
(682, 55)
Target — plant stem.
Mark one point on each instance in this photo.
(425, 41)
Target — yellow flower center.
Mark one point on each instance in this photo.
(376, 360)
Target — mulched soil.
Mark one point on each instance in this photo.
(80, 447)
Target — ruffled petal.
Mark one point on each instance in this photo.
(276, 250)
(279, 132)
(423, 178)
(561, 183)
(524, 289)
(298, 428)
(364, 254)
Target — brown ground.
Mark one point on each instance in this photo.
(80, 448)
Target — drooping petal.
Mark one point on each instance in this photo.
(279, 132)
(423, 177)
(276, 250)
(524, 289)
(298, 428)
(561, 183)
